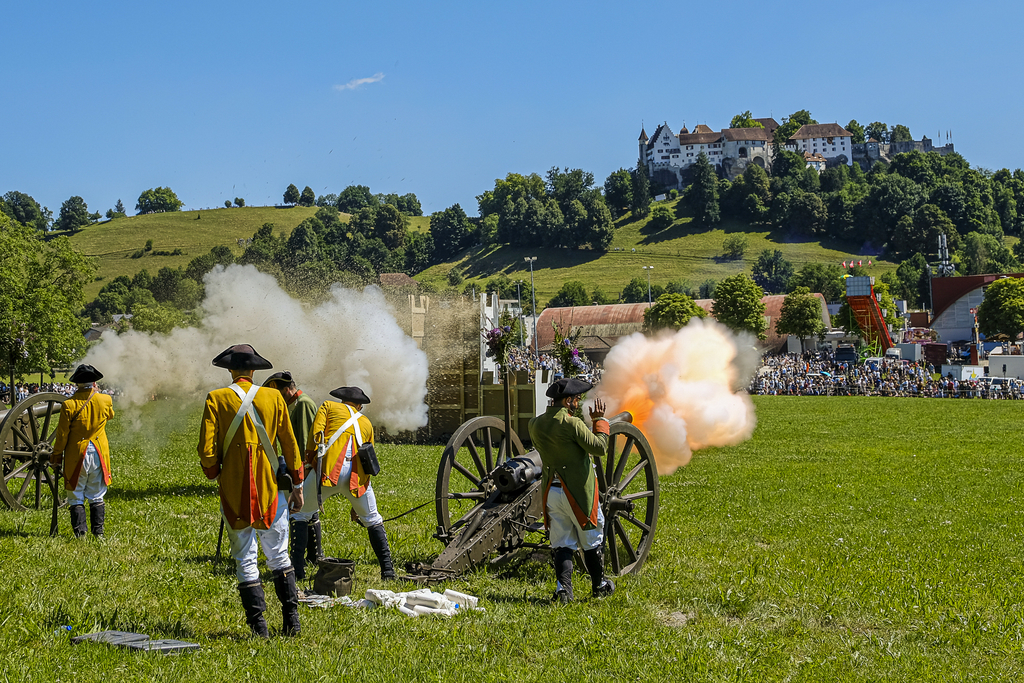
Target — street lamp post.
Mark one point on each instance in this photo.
(519, 297)
(533, 293)
(648, 269)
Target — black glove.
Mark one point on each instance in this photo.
(58, 471)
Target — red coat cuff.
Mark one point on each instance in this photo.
(601, 426)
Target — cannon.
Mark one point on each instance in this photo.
(27, 433)
(489, 500)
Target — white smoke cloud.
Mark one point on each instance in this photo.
(683, 388)
(352, 339)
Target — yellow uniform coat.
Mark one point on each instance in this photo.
(248, 489)
(329, 418)
(73, 438)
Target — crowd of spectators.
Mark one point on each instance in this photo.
(522, 359)
(24, 390)
(819, 374)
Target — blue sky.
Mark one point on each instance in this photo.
(221, 99)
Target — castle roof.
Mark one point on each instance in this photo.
(643, 134)
(821, 130)
(743, 134)
(769, 124)
(700, 137)
(661, 131)
(701, 128)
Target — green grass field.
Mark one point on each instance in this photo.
(852, 539)
(112, 243)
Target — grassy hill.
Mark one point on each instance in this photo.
(679, 252)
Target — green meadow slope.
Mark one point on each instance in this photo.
(678, 252)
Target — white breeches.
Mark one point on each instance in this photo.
(273, 540)
(90, 480)
(365, 506)
(565, 531)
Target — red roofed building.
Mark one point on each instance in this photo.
(604, 325)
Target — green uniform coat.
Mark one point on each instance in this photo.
(301, 413)
(565, 444)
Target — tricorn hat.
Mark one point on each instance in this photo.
(568, 386)
(351, 394)
(241, 357)
(283, 377)
(85, 374)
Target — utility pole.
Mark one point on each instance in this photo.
(533, 293)
(519, 297)
(648, 269)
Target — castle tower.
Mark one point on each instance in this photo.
(643, 144)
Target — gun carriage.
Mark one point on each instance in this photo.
(27, 433)
(490, 504)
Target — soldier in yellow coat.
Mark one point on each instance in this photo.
(81, 450)
(236, 447)
(343, 428)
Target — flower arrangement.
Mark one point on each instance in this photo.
(573, 360)
(499, 340)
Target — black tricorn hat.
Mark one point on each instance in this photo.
(241, 357)
(85, 374)
(351, 394)
(283, 377)
(568, 386)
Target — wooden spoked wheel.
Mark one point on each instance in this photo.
(27, 433)
(628, 483)
(463, 477)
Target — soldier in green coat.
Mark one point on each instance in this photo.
(306, 534)
(572, 509)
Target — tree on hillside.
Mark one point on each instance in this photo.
(389, 226)
(900, 133)
(701, 196)
(738, 305)
(639, 291)
(239, 202)
(159, 199)
(572, 293)
(821, 278)
(291, 195)
(734, 246)
(772, 272)
(661, 217)
(40, 297)
(984, 254)
(745, 120)
(355, 197)
(800, 315)
(672, 312)
(419, 252)
(857, 132)
(26, 210)
(74, 215)
(641, 191)
(618, 192)
(451, 231)
(1002, 310)
(878, 131)
(119, 207)
(307, 198)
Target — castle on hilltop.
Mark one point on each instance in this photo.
(669, 157)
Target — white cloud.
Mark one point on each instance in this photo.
(356, 82)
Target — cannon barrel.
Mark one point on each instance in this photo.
(517, 473)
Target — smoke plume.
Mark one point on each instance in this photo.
(351, 339)
(684, 389)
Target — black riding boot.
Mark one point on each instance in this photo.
(299, 537)
(594, 559)
(314, 543)
(284, 584)
(562, 558)
(254, 605)
(379, 542)
(97, 515)
(78, 520)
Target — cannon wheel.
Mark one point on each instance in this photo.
(463, 482)
(27, 434)
(628, 482)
